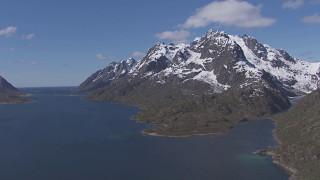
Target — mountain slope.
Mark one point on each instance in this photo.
(10, 94)
(209, 85)
(298, 130)
(114, 71)
(5, 86)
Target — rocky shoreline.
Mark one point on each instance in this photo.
(268, 152)
(182, 136)
(292, 171)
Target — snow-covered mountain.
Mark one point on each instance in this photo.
(114, 71)
(219, 60)
(206, 86)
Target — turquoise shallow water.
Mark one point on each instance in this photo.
(65, 137)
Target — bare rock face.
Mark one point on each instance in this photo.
(114, 71)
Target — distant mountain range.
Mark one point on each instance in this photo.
(207, 85)
(9, 94)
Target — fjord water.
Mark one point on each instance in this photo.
(61, 136)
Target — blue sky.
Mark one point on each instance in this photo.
(62, 42)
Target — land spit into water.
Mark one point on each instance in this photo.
(275, 152)
(269, 152)
(16, 99)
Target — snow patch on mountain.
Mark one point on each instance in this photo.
(298, 72)
(211, 78)
(215, 57)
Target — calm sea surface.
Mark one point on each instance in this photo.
(63, 137)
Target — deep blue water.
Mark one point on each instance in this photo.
(65, 137)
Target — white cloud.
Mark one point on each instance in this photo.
(292, 4)
(8, 31)
(102, 57)
(28, 36)
(230, 13)
(138, 54)
(175, 36)
(315, 19)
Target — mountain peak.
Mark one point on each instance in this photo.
(248, 37)
(212, 34)
(5, 85)
(131, 61)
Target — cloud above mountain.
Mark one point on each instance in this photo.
(138, 54)
(235, 13)
(102, 57)
(175, 36)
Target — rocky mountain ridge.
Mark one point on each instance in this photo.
(112, 72)
(217, 59)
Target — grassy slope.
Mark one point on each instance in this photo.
(298, 131)
(184, 112)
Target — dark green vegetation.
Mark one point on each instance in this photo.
(186, 109)
(298, 131)
(11, 95)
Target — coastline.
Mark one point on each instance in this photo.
(268, 152)
(292, 171)
(181, 136)
(20, 101)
